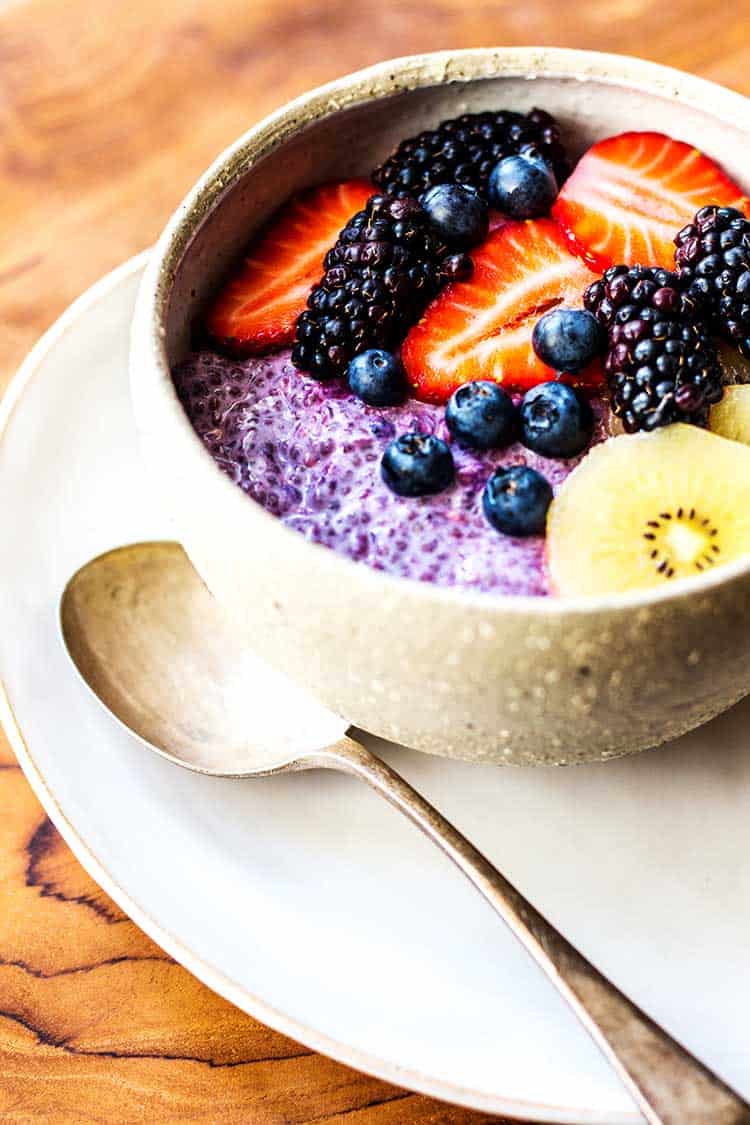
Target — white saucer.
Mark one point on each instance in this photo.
(304, 899)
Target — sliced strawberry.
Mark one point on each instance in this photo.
(258, 307)
(629, 195)
(481, 328)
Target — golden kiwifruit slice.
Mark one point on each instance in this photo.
(644, 509)
(730, 418)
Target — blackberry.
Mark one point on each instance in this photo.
(641, 292)
(713, 257)
(661, 371)
(661, 365)
(465, 150)
(386, 265)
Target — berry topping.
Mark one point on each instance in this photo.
(522, 188)
(643, 510)
(568, 339)
(628, 195)
(481, 328)
(458, 214)
(556, 421)
(662, 371)
(482, 416)
(670, 374)
(516, 501)
(258, 307)
(417, 465)
(385, 267)
(377, 377)
(465, 150)
(661, 365)
(639, 292)
(713, 256)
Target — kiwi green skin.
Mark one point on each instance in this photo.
(487, 679)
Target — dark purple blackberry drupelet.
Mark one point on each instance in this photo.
(466, 149)
(662, 372)
(640, 292)
(713, 257)
(386, 265)
(661, 364)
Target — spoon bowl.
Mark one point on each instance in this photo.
(161, 654)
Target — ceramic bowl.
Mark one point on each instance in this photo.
(474, 676)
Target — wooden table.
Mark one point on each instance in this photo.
(108, 112)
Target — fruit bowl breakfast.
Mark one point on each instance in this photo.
(472, 344)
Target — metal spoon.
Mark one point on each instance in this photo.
(159, 653)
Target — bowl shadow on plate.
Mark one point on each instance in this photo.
(729, 734)
(688, 777)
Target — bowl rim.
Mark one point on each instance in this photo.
(388, 78)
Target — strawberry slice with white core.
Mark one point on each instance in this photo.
(629, 195)
(258, 307)
(481, 328)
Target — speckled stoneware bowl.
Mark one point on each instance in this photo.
(491, 679)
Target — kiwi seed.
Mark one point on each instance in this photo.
(696, 550)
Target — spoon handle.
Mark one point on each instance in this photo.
(669, 1085)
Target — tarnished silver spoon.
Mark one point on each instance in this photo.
(160, 655)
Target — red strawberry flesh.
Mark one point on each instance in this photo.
(629, 195)
(257, 309)
(481, 328)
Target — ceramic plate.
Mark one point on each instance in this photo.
(304, 899)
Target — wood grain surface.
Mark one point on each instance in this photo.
(109, 109)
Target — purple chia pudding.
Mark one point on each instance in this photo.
(309, 453)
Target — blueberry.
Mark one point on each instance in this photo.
(458, 215)
(568, 339)
(417, 465)
(555, 421)
(522, 187)
(516, 499)
(482, 415)
(377, 377)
